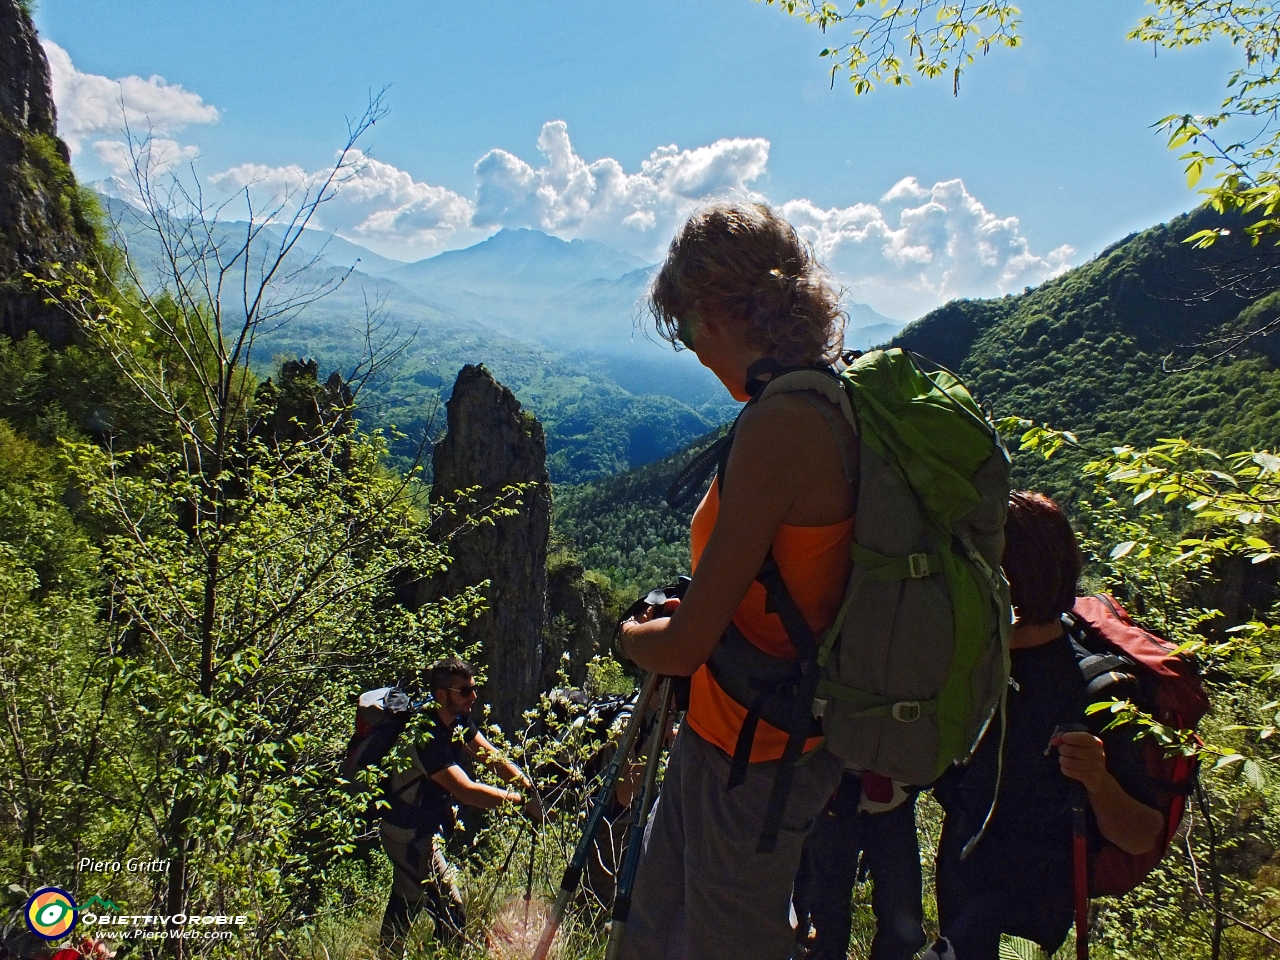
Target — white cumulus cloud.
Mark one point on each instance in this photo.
(639, 211)
(272, 183)
(372, 200)
(914, 248)
(921, 246)
(90, 104)
(379, 203)
(154, 155)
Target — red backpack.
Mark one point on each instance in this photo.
(1161, 683)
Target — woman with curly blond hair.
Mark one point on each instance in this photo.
(742, 291)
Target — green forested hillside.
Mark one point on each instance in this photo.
(1085, 352)
(594, 427)
(622, 526)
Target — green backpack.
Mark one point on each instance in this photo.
(906, 680)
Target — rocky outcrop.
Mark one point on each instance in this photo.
(44, 219)
(579, 622)
(300, 407)
(491, 443)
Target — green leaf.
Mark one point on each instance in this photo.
(1253, 774)
(1195, 170)
(1269, 462)
(1015, 948)
(1123, 549)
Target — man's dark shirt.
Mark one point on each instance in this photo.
(1020, 872)
(418, 801)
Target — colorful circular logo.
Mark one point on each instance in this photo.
(51, 913)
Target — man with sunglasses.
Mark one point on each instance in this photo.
(422, 798)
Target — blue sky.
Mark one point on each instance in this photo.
(1045, 157)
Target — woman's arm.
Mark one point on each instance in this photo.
(776, 473)
(1132, 826)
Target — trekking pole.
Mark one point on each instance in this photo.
(487, 899)
(573, 872)
(1080, 867)
(626, 880)
(528, 883)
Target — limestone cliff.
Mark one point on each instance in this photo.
(579, 622)
(43, 216)
(491, 443)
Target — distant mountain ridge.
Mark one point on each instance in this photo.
(344, 253)
(520, 260)
(594, 426)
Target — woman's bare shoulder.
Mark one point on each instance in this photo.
(800, 442)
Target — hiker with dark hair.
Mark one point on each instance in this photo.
(868, 828)
(416, 828)
(1018, 877)
(742, 291)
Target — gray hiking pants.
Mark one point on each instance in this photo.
(422, 879)
(702, 891)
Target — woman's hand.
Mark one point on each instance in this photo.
(1083, 757)
(629, 629)
(1132, 826)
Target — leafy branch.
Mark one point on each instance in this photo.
(891, 40)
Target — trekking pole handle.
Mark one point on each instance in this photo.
(1080, 871)
(1080, 866)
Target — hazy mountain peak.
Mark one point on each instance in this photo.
(118, 189)
(521, 260)
(529, 239)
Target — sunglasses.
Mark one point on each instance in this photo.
(467, 691)
(684, 332)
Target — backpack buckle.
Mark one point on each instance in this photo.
(906, 711)
(819, 708)
(918, 564)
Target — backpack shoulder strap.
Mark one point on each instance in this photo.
(1102, 672)
(822, 381)
(690, 480)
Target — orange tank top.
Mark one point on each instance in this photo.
(815, 564)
